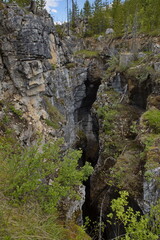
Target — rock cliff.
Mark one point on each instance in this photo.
(49, 88)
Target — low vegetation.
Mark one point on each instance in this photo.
(55, 116)
(87, 53)
(152, 120)
(33, 183)
(135, 225)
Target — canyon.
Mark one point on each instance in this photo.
(96, 94)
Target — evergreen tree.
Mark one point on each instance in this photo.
(74, 14)
(117, 13)
(98, 6)
(87, 9)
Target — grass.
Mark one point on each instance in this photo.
(27, 206)
(17, 112)
(87, 54)
(152, 120)
(70, 65)
(54, 114)
(27, 222)
(51, 124)
(1, 6)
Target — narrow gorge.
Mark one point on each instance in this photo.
(98, 96)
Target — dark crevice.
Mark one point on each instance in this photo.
(89, 137)
(88, 125)
(89, 142)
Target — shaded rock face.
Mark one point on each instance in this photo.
(122, 98)
(32, 64)
(151, 190)
(24, 50)
(139, 92)
(34, 74)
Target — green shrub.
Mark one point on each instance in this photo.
(60, 31)
(87, 54)
(23, 174)
(51, 124)
(136, 226)
(141, 72)
(70, 65)
(1, 6)
(108, 115)
(54, 114)
(152, 120)
(28, 202)
(17, 112)
(53, 66)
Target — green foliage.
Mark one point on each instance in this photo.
(152, 120)
(25, 174)
(54, 114)
(71, 65)
(23, 3)
(60, 30)
(74, 14)
(136, 226)
(51, 124)
(87, 54)
(108, 116)
(53, 66)
(113, 63)
(129, 16)
(17, 112)
(87, 9)
(28, 222)
(33, 181)
(141, 72)
(117, 13)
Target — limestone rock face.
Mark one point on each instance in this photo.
(41, 78)
(151, 190)
(32, 65)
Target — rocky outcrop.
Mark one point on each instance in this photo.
(44, 85)
(129, 155)
(47, 89)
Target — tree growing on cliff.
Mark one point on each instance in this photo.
(74, 14)
(33, 4)
(87, 9)
(99, 20)
(136, 226)
(117, 13)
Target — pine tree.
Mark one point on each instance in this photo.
(87, 9)
(98, 6)
(74, 14)
(117, 13)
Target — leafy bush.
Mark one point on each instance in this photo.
(17, 112)
(136, 226)
(26, 174)
(54, 114)
(32, 184)
(87, 54)
(108, 115)
(152, 120)
(71, 65)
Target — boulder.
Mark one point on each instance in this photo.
(126, 58)
(109, 31)
(157, 67)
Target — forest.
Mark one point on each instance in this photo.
(123, 16)
(128, 16)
